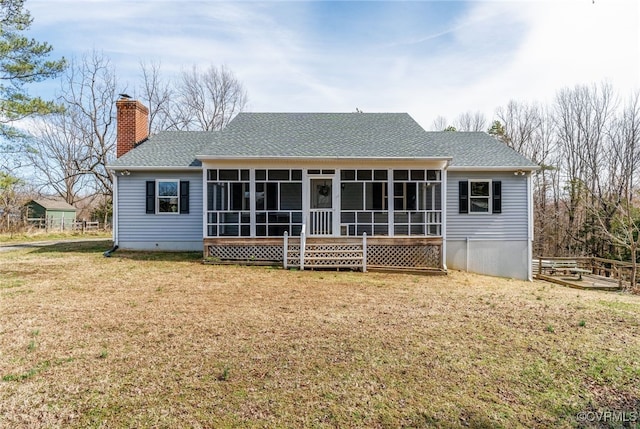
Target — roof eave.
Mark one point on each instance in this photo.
(154, 168)
(492, 168)
(322, 158)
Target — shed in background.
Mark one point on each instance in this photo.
(51, 213)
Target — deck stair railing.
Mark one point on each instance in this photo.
(315, 253)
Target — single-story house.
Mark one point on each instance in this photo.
(325, 189)
(52, 212)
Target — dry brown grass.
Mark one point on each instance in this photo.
(139, 340)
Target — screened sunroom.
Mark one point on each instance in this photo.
(256, 202)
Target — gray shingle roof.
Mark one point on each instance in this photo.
(323, 135)
(327, 135)
(168, 149)
(54, 204)
(478, 149)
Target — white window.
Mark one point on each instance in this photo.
(168, 197)
(479, 196)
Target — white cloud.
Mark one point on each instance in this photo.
(428, 59)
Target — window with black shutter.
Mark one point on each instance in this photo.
(167, 197)
(480, 196)
(463, 196)
(497, 196)
(151, 196)
(184, 196)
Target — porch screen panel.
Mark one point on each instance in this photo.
(417, 202)
(364, 202)
(228, 210)
(278, 202)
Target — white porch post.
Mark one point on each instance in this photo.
(306, 198)
(390, 202)
(252, 203)
(285, 250)
(336, 202)
(364, 252)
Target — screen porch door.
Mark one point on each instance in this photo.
(321, 207)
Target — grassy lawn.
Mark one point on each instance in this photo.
(160, 340)
(32, 236)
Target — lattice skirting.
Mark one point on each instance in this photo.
(418, 256)
(380, 255)
(243, 252)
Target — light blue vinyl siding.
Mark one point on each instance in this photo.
(139, 230)
(487, 243)
(511, 224)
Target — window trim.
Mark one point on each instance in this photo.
(488, 197)
(152, 196)
(158, 196)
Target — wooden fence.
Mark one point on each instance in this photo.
(57, 224)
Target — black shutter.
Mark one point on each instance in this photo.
(463, 197)
(151, 197)
(497, 196)
(184, 196)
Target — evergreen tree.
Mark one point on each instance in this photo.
(22, 61)
(497, 130)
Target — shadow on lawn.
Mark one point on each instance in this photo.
(89, 246)
(101, 246)
(158, 256)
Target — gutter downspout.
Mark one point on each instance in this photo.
(467, 255)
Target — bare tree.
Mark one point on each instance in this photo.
(582, 114)
(528, 129)
(54, 151)
(520, 122)
(207, 100)
(9, 199)
(89, 96)
(469, 121)
(439, 124)
(623, 231)
(158, 94)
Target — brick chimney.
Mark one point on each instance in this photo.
(133, 124)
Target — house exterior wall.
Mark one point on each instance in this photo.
(490, 243)
(137, 230)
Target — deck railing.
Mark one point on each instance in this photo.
(321, 221)
(303, 244)
(619, 271)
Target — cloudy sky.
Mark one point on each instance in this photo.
(426, 58)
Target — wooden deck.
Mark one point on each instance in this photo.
(588, 282)
(588, 272)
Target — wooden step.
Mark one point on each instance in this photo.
(324, 258)
(333, 252)
(327, 255)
